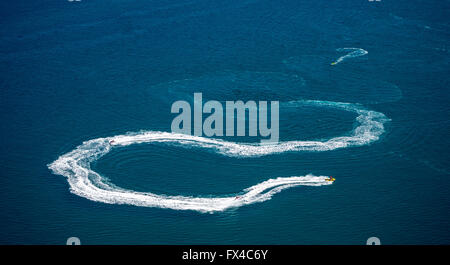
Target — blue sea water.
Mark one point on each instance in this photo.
(75, 71)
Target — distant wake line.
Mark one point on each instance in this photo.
(354, 52)
(87, 183)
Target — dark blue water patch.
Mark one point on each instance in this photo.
(352, 80)
(234, 85)
(168, 169)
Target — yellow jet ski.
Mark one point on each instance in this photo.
(330, 179)
(333, 63)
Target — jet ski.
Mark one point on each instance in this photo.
(330, 179)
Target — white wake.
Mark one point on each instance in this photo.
(87, 183)
(354, 52)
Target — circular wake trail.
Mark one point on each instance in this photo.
(87, 183)
(355, 52)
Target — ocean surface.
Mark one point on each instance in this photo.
(363, 91)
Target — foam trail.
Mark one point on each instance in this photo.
(356, 52)
(87, 183)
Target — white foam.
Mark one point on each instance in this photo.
(355, 52)
(87, 183)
